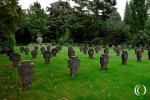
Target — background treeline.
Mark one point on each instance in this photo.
(88, 21)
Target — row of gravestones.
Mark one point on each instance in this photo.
(26, 68)
(74, 62)
(47, 54)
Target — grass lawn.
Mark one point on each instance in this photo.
(53, 81)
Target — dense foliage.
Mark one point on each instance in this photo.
(10, 14)
(88, 21)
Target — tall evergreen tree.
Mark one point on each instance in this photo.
(139, 10)
(127, 14)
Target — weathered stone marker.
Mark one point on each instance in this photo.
(26, 71)
(54, 52)
(43, 50)
(73, 64)
(15, 59)
(97, 49)
(34, 53)
(21, 49)
(104, 59)
(85, 49)
(124, 57)
(118, 50)
(91, 53)
(139, 54)
(106, 50)
(26, 51)
(47, 56)
(39, 40)
(81, 48)
(71, 53)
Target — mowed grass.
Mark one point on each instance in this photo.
(53, 81)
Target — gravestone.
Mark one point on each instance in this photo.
(118, 50)
(97, 48)
(15, 59)
(106, 50)
(135, 49)
(85, 49)
(26, 71)
(91, 53)
(70, 47)
(26, 51)
(104, 59)
(43, 50)
(73, 64)
(81, 48)
(39, 40)
(124, 57)
(71, 53)
(139, 54)
(34, 53)
(54, 52)
(21, 49)
(47, 56)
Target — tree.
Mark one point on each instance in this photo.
(38, 20)
(114, 29)
(127, 14)
(9, 18)
(139, 9)
(58, 15)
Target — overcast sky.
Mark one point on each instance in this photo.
(44, 3)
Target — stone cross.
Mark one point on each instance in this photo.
(139, 54)
(71, 53)
(15, 59)
(21, 49)
(124, 57)
(81, 48)
(34, 53)
(118, 50)
(97, 49)
(73, 64)
(43, 50)
(26, 50)
(106, 50)
(26, 71)
(47, 56)
(54, 51)
(104, 59)
(85, 49)
(91, 53)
